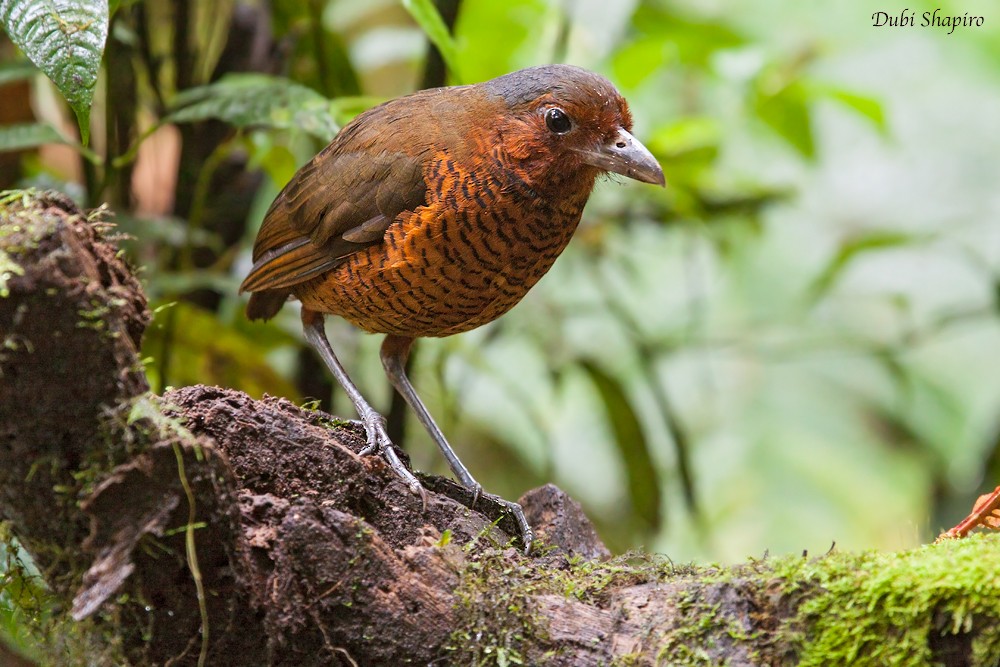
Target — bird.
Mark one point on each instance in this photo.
(433, 214)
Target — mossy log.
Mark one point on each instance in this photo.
(205, 525)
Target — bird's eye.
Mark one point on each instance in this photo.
(557, 121)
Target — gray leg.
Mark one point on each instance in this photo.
(374, 423)
(395, 350)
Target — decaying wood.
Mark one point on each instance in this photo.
(205, 524)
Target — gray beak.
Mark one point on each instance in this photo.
(626, 155)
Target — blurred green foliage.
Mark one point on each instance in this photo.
(793, 344)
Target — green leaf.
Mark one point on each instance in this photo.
(31, 135)
(258, 100)
(693, 41)
(527, 26)
(866, 106)
(65, 39)
(786, 111)
(18, 70)
(427, 17)
(28, 135)
(684, 138)
(643, 480)
(635, 62)
(272, 155)
(203, 349)
(165, 231)
(867, 242)
(180, 282)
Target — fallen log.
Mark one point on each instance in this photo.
(205, 526)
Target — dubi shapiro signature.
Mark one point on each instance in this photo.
(908, 18)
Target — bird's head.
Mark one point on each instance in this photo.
(562, 123)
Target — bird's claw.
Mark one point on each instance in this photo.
(527, 535)
(477, 491)
(378, 438)
(515, 509)
(380, 443)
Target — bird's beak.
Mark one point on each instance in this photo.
(626, 155)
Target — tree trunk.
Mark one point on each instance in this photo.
(207, 525)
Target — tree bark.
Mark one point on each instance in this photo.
(205, 525)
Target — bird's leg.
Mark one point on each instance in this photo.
(395, 350)
(374, 423)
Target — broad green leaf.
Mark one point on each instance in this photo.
(637, 61)
(866, 106)
(692, 40)
(274, 157)
(851, 250)
(787, 112)
(684, 137)
(65, 39)
(643, 478)
(255, 100)
(427, 17)
(528, 28)
(28, 135)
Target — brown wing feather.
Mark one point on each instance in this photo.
(346, 197)
(333, 207)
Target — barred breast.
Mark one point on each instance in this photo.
(469, 255)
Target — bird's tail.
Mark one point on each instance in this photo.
(266, 304)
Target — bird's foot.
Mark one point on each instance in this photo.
(379, 443)
(527, 535)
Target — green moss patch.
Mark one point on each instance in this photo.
(914, 607)
(904, 608)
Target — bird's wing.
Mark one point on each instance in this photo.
(347, 196)
(340, 202)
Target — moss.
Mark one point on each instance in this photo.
(31, 618)
(588, 581)
(8, 269)
(889, 608)
(24, 222)
(864, 609)
(497, 621)
(16, 214)
(687, 644)
(497, 624)
(494, 606)
(99, 310)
